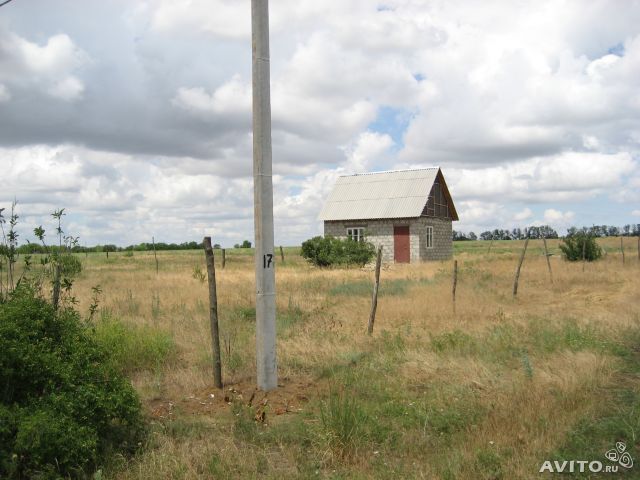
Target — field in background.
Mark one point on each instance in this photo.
(489, 393)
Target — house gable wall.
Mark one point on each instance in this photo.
(380, 232)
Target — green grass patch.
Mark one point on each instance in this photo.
(246, 313)
(364, 288)
(186, 428)
(134, 347)
(347, 424)
(489, 464)
(616, 420)
(291, 316)
(538, 336)
(456, 341)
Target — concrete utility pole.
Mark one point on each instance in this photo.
(263, 200)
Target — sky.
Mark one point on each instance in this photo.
(136, 116)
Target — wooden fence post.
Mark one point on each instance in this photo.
(639, 248)
(455, 284)
(224, 258)
(622, 249)
(546, 254)
(213, 313)
(374, 299)
(56, 287)
(517, 277)
(584, 252)
(282, 254)
(153, 241)
(490, 243)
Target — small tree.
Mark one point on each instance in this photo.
(575, 244)
(64, 407)
(246, 244)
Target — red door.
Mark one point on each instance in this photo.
(401, 250)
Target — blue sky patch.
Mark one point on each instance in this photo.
(394, 122)
(617, 49)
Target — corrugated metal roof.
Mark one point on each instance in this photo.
(394, 194)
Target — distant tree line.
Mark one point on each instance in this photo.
(631, 230)
(513, 234)
(30, 248)
(607, 231)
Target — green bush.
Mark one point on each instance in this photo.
(70, 265)
(328, 251)
(572, 247)
(63, 406)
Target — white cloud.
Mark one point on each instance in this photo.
(224, 18)
(590, 142)
(564, 177)
(558, 219)
(231, 98)
(69, 88)
(482, 213)
(635, 213)
(525, 214)
(51, 67)
(5, 95)
(368, 149)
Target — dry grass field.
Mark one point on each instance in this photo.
(488, 393)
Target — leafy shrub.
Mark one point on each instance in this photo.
(70, 265)
(328, 251)
(63, 406)
(573, 245)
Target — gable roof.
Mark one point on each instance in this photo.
(393, 194)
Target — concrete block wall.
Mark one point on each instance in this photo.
(442, 241)
(380, 232)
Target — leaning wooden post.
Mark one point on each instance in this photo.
(282, 254)
(455, 284)
(546, 254)
(584, 251)
(153, 242)
(490, 243)
(622, 249)
(517, 277)
(224, 258)
(213, 313)
(374, 299)
(639, 248)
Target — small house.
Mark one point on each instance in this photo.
(408, 212)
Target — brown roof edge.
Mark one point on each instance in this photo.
(452, 207)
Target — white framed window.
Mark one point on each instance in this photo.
(355, 233)
(429, 237)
